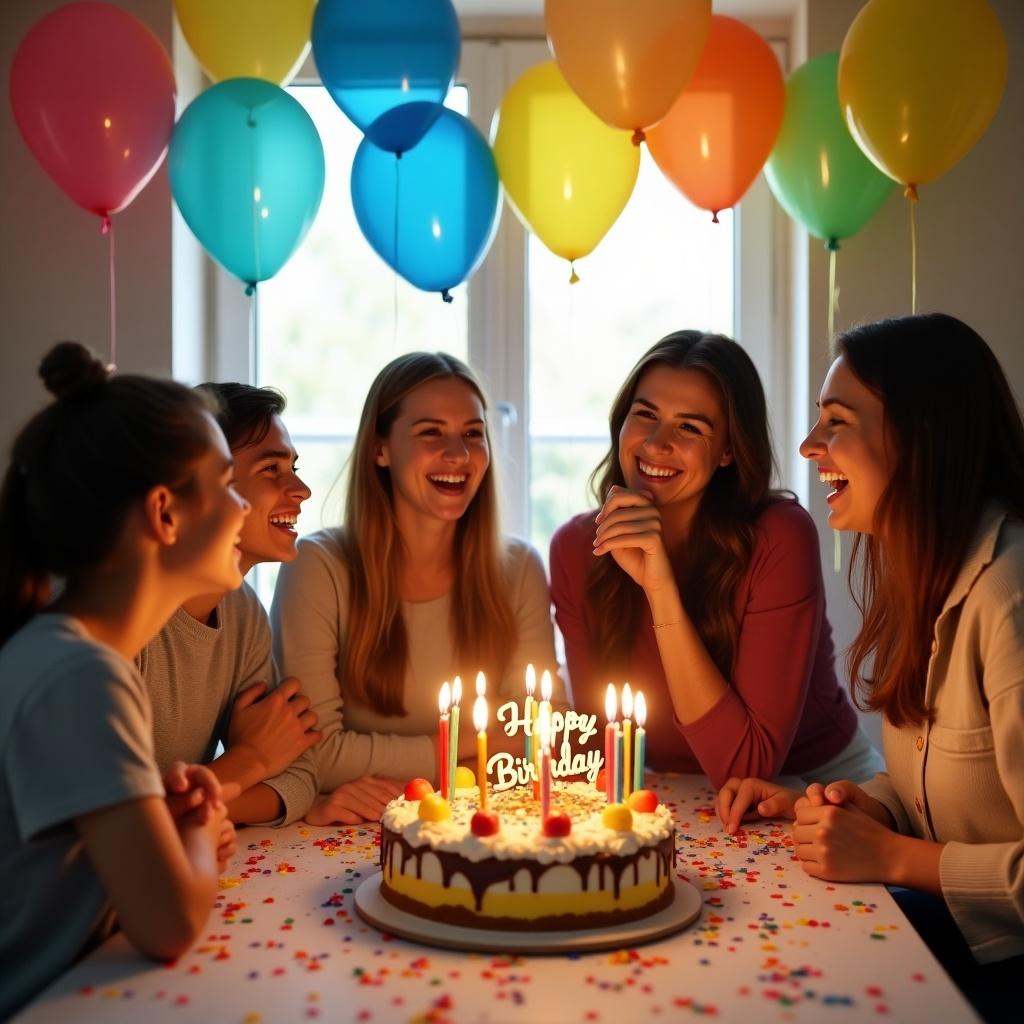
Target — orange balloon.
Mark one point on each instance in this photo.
(627, 65)
(720, 131)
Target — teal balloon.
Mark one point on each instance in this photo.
(430, 214)
(246, 168)
(816, 171)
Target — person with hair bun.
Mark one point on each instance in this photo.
(418, 585)
(702, 586)
(122, 489)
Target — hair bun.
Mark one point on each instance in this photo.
(70, 368)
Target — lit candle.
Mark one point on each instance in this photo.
(528, 707)
(480, 724)
(543, 707)
(443, 703)
(481, 684)
(610, 703)
(618, 764)
(627, 736)
(453, 735)
(641, 742)
(544, 727)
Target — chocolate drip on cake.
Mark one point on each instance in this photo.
(482, 875)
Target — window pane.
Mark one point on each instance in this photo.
(336, 313)
(333, 316)
(663, 266)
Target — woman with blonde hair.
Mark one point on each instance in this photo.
(417, 586)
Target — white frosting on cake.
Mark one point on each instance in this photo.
(520, 833)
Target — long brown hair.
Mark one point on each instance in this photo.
(483, 626)
(957, 443)
(721, 538)
(79, 464)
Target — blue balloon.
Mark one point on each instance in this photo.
(247, 170)
(376, 55)
(430, 214)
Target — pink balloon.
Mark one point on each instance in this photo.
(93, 95)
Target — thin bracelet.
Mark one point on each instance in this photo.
(662, 625)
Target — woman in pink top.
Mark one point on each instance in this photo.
(699, 584)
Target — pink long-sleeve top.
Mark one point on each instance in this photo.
(783, 712)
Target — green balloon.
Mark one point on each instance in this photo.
(816, 170)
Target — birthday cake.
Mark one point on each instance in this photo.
(590, 865)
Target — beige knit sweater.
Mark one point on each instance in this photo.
(960, 780)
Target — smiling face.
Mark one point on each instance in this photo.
(265, 475)
(436, 452)
(849, 446)
(207, 549)
(674, 438)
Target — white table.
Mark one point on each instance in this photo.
(285, 944)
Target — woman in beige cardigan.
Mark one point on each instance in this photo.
(922, 446)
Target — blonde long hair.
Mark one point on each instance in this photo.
(482, 623)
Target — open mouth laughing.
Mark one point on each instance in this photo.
(285, 521)
(656, 474)
(449, 483)
(835, 480)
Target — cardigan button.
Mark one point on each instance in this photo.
(918, 805)
(920, 743)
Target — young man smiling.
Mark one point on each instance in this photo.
(210, 672)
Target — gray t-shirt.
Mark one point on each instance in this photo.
(75, 736)
(194, 671)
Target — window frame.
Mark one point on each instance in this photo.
(498, 344)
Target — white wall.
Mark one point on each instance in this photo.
(53, 260)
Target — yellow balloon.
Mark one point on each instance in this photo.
(566, 174)
(919, 82)
(266, 39)
(627, 61)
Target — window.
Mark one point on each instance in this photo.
(551, 355)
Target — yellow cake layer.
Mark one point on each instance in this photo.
(526, 905)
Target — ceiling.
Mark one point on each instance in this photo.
(535, 8)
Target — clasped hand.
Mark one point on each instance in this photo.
(629, 529)
(193, 796)
(840, 833)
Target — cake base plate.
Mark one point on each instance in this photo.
(376, 910)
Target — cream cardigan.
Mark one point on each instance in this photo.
(960, 780)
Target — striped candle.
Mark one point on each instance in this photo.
(453, 737)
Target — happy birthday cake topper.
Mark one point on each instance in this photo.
(508, 770)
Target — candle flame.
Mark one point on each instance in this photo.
(457, 690)
(641, 710)
(627, 702)
(610, 702)
(444, 699)
(544, 727)
(531, 680)
(480, 714)
(545, 685)
(481, 684)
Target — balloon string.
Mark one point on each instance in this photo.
(254, 332)
(394, 253)
(911, 194)
(107, 229)
(837, 555)
(832, 303)
(257, 196)
(573, 276)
